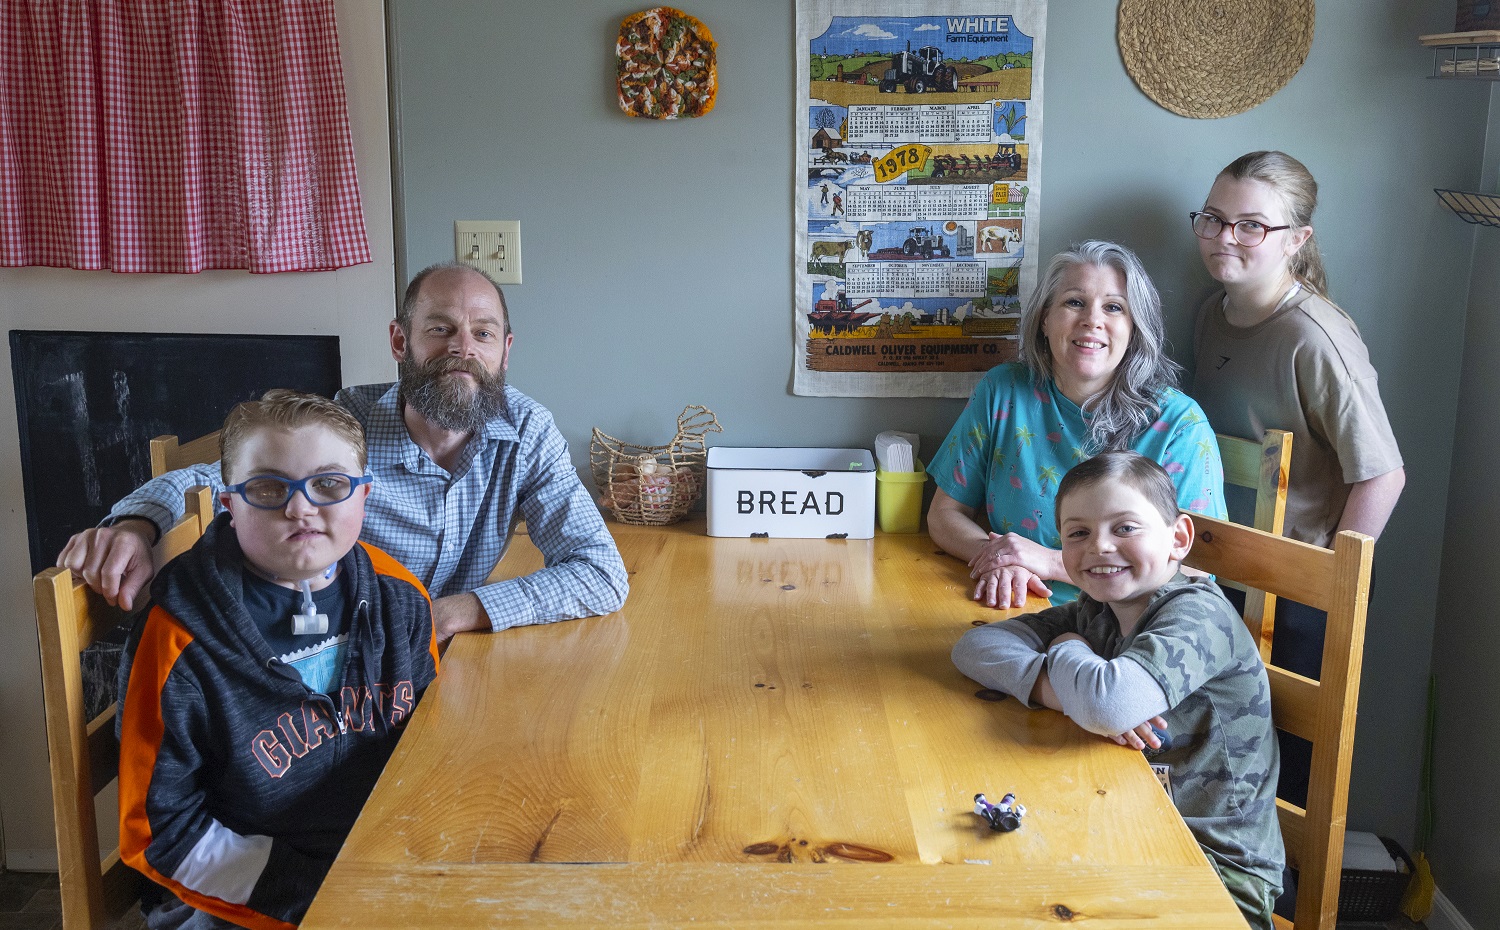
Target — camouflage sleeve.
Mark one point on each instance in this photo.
(1188, 643)
(1053, 622)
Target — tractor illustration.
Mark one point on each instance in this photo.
(919, 72)
(924, 241)
(1006, 156)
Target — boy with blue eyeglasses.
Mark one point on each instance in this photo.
(268, 684)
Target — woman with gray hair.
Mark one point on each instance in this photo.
(1092, 376)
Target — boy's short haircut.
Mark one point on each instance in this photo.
(1142, 474)
(280, 408)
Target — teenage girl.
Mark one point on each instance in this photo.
(1273, 352)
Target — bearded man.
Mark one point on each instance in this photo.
(458, 457)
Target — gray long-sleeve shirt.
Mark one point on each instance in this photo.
(1101, 695)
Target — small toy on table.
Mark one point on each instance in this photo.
(1003, 817)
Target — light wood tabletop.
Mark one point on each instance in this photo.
(769, 732)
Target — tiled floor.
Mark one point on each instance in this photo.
(29, 901)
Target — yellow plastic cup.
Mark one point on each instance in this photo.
(898, 499)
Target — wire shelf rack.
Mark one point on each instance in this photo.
(1477, 61)
(1472, 207)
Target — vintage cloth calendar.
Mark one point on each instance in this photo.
(916, 191)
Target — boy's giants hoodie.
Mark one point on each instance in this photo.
(238, 784)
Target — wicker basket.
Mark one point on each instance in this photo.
(653, 485)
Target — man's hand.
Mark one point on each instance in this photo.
(114, 560)
(458, 613)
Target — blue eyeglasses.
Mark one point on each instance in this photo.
(269, 492)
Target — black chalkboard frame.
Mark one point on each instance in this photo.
(89, 403)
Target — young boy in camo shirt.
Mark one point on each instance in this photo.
(1156, 661)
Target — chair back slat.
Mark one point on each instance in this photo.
(1322, 711)
(1294, 702)
(167, 454)
(1263, 467)
(83, 755)
(1259, 560)
(1293, 830)
(199, 513)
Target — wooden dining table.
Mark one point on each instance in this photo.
(770, 732)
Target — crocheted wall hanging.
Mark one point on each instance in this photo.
(665, 66)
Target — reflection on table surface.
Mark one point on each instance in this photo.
(770, 730)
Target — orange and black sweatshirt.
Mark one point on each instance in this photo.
(238, 783)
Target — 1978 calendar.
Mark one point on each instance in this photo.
(918, 164)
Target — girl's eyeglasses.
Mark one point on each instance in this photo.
(1247, 233)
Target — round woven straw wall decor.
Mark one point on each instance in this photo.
(1213, 58)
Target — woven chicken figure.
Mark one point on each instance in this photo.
(654, 485)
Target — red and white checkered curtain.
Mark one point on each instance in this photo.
(175, 136)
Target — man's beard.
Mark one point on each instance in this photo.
(447, 402)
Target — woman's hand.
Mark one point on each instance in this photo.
(1007, 566)
(1004, 567)
(1004, 588)
(1014, 550)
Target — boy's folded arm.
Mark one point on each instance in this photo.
(1107, 697)
(1007, 656)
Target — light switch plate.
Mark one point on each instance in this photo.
(492, 246)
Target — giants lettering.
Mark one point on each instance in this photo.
(272, 756)
(315, 721)
(356, 708)
(402, 700)
(360, 708)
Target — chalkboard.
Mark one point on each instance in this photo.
(88, 405)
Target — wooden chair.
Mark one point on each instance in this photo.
(1323, 711)
(167, 454)
(85, 754)
(1263, 467)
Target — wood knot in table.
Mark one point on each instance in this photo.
(1063, 912)
(786, 852)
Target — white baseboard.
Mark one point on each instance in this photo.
(31, 860)
(1444, 915)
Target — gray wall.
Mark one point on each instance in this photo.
(658, 255)
(1465, 848)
